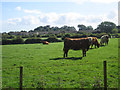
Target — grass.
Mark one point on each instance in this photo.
(44, 66)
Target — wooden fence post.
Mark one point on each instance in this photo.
(21, 75)
(105, 75)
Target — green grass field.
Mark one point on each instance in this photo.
(44, 66)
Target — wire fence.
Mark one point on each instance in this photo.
(20, 76)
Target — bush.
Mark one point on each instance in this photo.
(59, 36)
(116, 35)
(31, 41)
(53, 39)
(17, 40)
(97, 35)
(6, 42)
(79, 36)
(76, 36)
(92, 35)
(46, 35)
(66, 35)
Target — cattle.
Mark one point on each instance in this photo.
(76, 44)
(45, 42)
(94, 41)
(104, 39)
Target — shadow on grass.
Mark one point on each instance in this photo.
(70, 58)
(102, 45)
(91, 48)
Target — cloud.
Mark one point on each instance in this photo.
(30, 20)
(78, 1)
(59, 19)
(32, 11)
(18, 8)
(104, 1)
(74, 1)
(93, 1)
(14, 20)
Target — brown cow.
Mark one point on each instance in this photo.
(94, 41)
(76, 44)
(45, 42)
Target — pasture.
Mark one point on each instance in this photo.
(44, 66)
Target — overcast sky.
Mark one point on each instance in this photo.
(17, 16)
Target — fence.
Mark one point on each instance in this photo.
(58, 84)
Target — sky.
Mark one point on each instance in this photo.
(27, 15)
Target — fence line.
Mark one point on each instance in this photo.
(104, 72)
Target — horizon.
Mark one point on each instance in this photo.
(17, 16)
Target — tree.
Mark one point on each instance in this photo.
(106, 26)
(118, 27)
(82, 27)
(115, 30)
(89, 28)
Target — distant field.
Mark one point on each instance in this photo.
(44, 66)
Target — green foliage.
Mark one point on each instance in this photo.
(116, 35)
(82, 27)
(46, 35)
(32, 40)
(6, 42)
(76, 36)
(39, 36)
(52, 38)
(89, 28)
(44, 66)
(48, 28)
(115, 30)
(7, 36)
(17, 40)
(66, 35)
(106, 26)
(25, 36)
(97, 35)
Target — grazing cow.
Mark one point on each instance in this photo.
(104, 39)
(94, 41)
(45, 42)
(76, 44)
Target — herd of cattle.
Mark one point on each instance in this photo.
(83, 44)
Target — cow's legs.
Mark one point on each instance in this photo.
(65, 53)
(91, 45)
(107, 42)
(84, 53)
(95, 45)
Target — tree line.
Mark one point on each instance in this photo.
(105, 26)
(33, 37)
